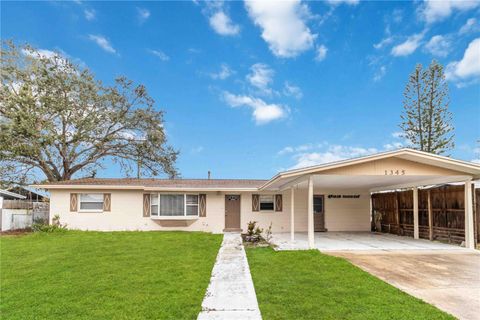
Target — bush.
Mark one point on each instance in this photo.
(254, 233)
(40, 225)
(268, 233)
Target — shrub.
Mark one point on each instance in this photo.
(251, 228)
(254, 233)
(268, 233)
(40, 225)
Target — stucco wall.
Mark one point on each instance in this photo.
(340, 214)
(126, 212)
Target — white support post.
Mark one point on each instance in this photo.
(469, 233)
(292, 214)
(415, 213)
(311, 235)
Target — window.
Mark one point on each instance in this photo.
(154, 204)
(173, 205)
(267, 203)
(91, 202)
(318, 204)
(192, 204)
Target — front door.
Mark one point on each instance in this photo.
(319, 212)
(232, 212)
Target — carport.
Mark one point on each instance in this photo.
(360, 242)
(340, 192)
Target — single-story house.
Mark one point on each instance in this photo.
(328, 197)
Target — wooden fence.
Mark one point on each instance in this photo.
(394, 213)
(17, 204)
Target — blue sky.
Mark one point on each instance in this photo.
(252, 88)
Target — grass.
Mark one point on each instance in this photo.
(311, 285)
(95, 275)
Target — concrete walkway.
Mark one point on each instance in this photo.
(230, 294)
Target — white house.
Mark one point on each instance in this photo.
(328, 197)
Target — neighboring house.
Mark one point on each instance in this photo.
(334, 196)
(20, 206)
(6, 213)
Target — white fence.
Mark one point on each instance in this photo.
(14, 219)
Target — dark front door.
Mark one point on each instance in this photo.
(232, 212)
(319, 212)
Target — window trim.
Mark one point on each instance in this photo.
(260, 203)
(184, 216)
(90, 210)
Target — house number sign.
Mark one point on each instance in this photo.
(395, 172)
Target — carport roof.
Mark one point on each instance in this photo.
(463, 169)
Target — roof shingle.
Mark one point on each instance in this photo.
(163, 183)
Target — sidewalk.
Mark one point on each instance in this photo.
(230, 294)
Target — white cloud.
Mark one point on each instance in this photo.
(408, 46)
(434, 10)
(397, 134)
(61, 57)
(261, 76)
(380, 73)
(300, 148)
(350, 2)
(224, 73)
(197, 149)
(292, 90)
(321, 53)
(439, 46)
(397, 15)
(283, 25)
(286, 150)
(330, 153)
(393, 146)
(222, 24)
(312, 154)
(262, 112)
(471, 25)
(142, 14)
(102, 42)
(40, 53)
(160, 54)
(384, 42)
(469, 66)
(90, 14)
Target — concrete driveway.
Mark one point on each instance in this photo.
(448, 279)
(357, 241)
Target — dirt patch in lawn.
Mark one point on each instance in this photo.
(18, 232)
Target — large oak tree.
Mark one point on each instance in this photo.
(57, 120)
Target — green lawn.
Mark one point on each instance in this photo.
(115, 275)
(310, 285)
